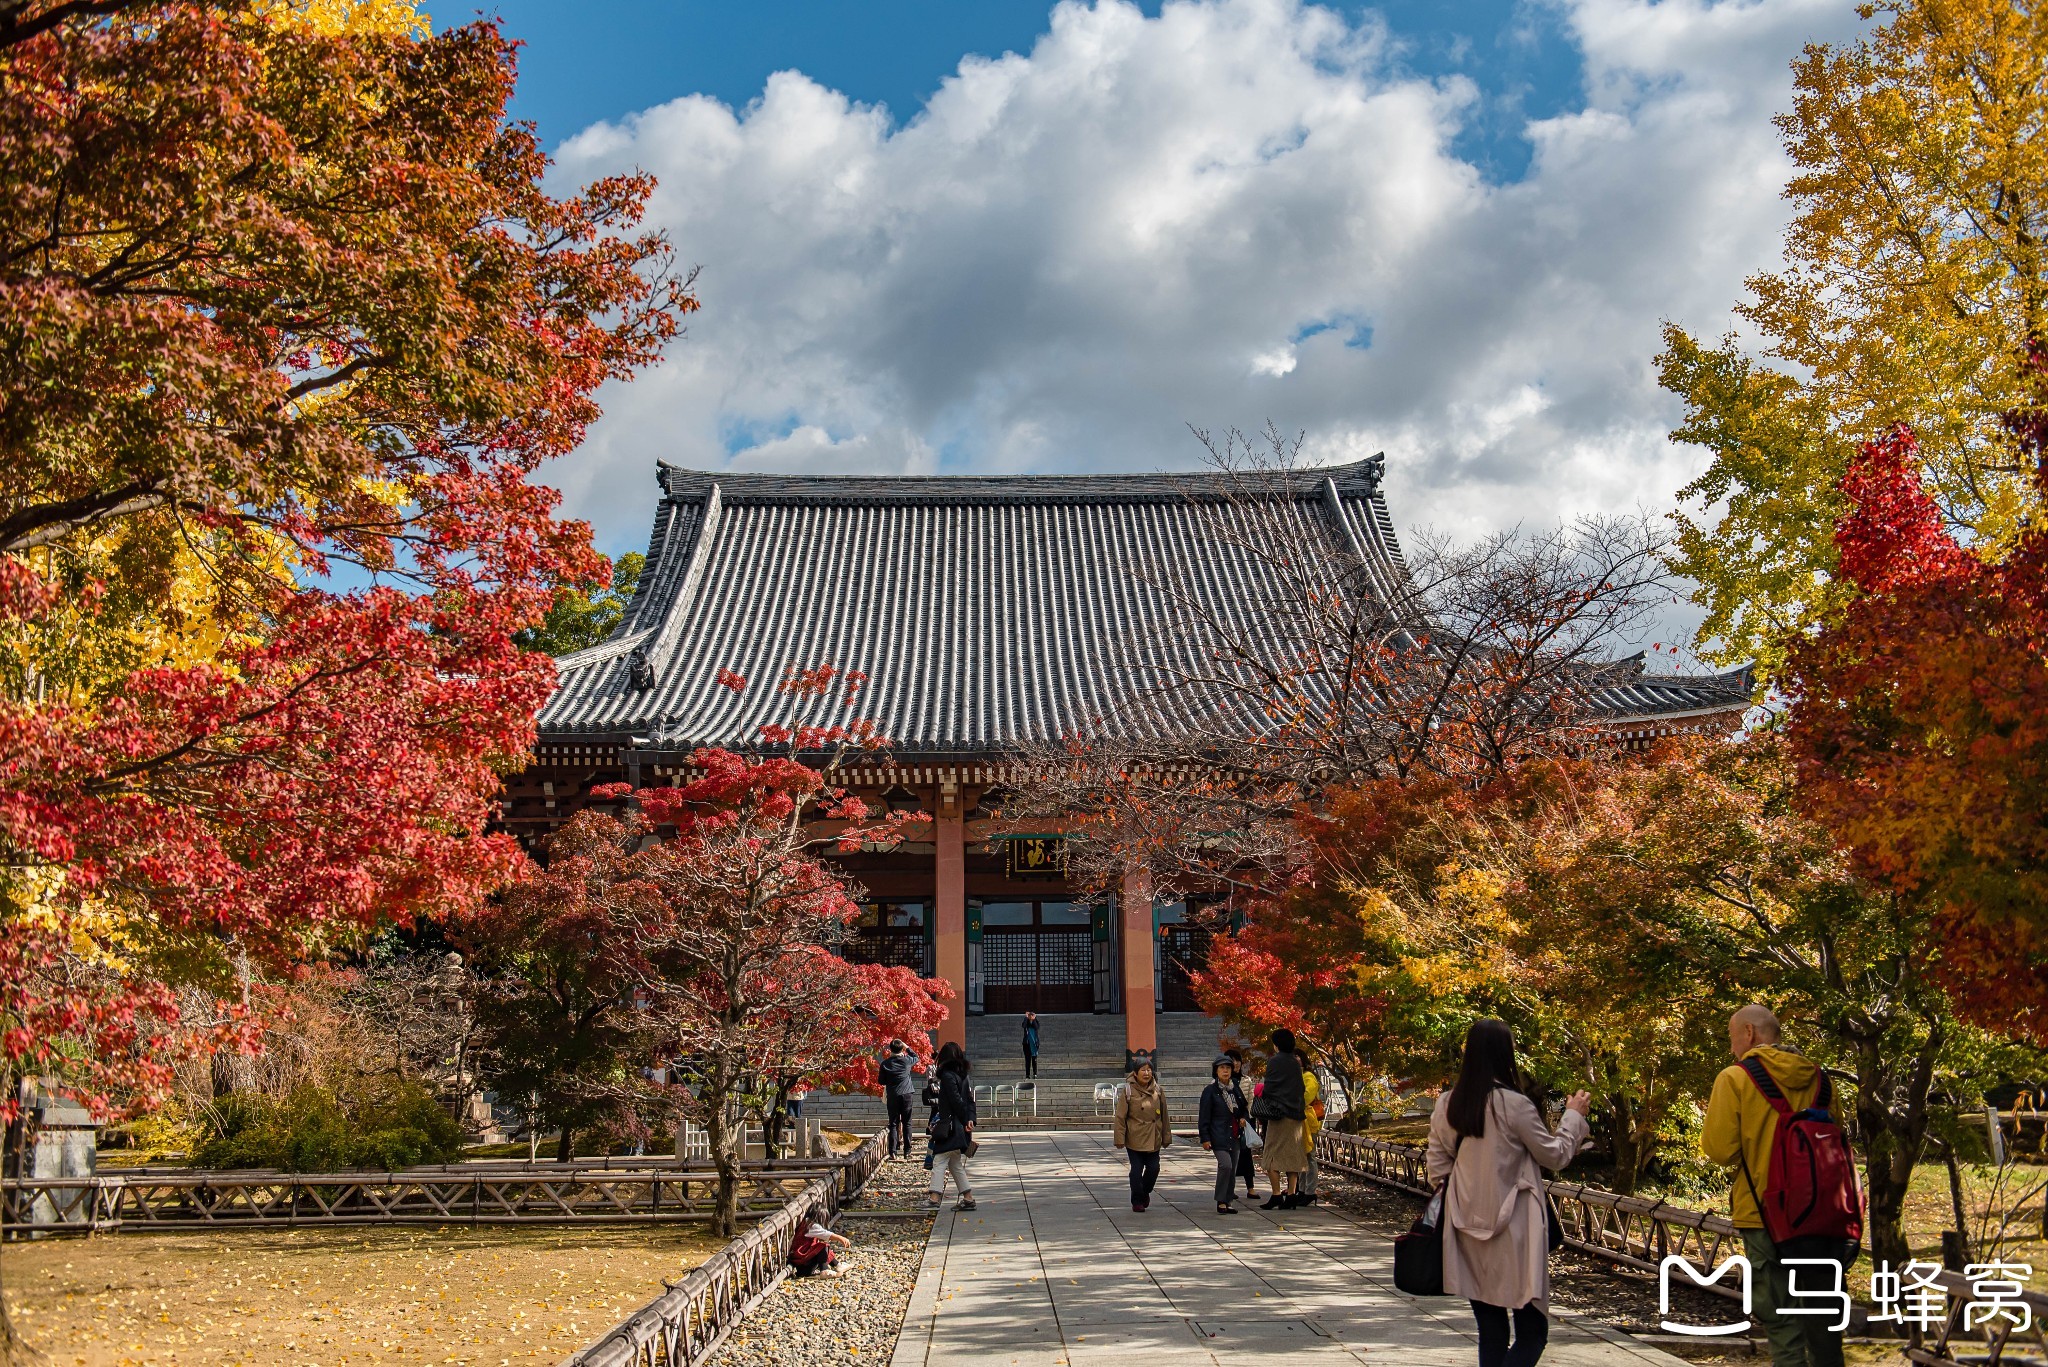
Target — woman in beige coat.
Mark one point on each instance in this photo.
(1489, 1141)
(1142, 1129)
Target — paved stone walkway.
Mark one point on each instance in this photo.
(1055, 1270)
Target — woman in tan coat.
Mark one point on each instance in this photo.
(1489, 1142)
(1142, 1129)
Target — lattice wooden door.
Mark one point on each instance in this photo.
(1182, 950)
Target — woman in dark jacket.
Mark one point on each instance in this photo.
(1220, 1126)
(1246, 1168)
(1285, 1098)
(951, 1127)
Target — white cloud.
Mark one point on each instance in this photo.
(1239, 210)
(1277, 362)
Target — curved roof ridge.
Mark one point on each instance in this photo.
(1358, 479)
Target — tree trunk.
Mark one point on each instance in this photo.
(1957, 1204)
(1887, 1218)
(565, 1147)
(1629, 1158)
(725, 1216)
(1631, 1130)
(13, 1347)
(1891, 1112)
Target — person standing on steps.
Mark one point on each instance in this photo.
(951, 1127)
(1283, 1099)
(1220, 1125)
(897, 1074)
(1142, 1129)
(1488, 1141)
(1030, 1044)
(1247, 1167)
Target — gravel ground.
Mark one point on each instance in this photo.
(850, 1319)
(900, 1184)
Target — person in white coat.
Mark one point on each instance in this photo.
(1489, 1141)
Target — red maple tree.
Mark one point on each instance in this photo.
(282, 311)
(1921, 720)
(726, 923)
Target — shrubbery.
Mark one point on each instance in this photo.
(385, 1122)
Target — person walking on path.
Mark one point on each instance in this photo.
(897, 1075)
(1246, 1167)
(1220, 1125)
(951, 1127)
(1739, 1132)
(1031, 1044)
(1487, 1140)
(1283, 1100)
(1142, 1129)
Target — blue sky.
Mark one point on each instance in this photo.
(998, 236)
(600, 59)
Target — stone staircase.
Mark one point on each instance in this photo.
(1074, 1054)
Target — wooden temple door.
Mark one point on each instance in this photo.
(892, 933)
(1182, 949)
(1036, 956)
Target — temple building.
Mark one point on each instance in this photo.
(988, 614)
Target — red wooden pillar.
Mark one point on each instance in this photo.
(1141, 1023)
(949, 937)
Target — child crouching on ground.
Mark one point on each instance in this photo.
(811, 1251)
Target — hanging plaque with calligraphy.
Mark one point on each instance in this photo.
(1035, 856)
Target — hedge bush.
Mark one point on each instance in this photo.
(385, 1123)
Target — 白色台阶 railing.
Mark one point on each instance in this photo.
(686, 1323)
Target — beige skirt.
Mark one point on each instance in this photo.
(1284, 1149)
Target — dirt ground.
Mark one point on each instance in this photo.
(466, 1296)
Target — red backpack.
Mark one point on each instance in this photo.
(1811, 1199)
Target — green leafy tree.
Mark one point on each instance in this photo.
(1700, 854)
(584, 615)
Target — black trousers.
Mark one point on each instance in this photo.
(899, 1124)
(1030, 1062)
(1144, 1174)
(1532, 1331)
(1226, 1173)
(1247, 1169)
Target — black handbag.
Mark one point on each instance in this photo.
(1419, 1254)
(1419, 1257)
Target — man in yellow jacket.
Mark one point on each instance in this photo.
(1740, 1128)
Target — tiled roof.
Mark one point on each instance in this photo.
(986, 612)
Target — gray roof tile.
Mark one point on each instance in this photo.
(987, 612)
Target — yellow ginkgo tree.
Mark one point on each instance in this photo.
(1913, 291)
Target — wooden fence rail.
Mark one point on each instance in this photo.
(1634, 1231)
(566, 1194)
(1640, 1232)
(687, 1322)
